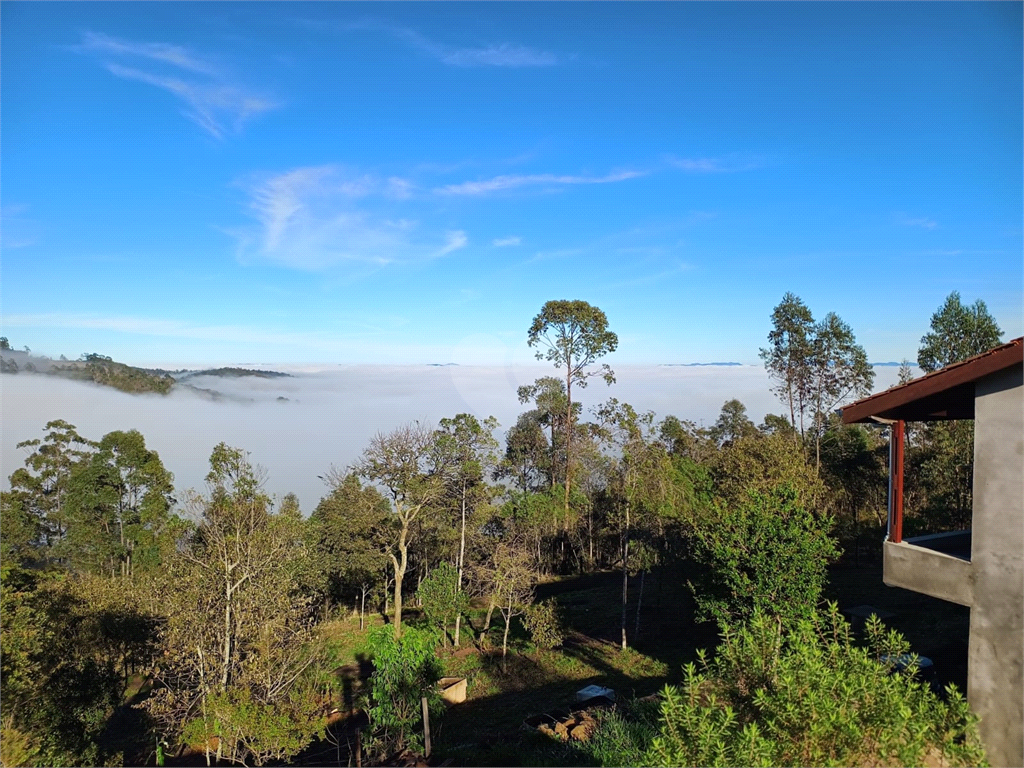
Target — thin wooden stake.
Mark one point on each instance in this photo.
(426, 727)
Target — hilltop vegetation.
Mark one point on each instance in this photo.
(109, 373)
(101, 369)
(237, 373)
(686, 568)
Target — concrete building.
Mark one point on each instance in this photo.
(982, 568)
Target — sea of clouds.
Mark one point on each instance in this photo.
(331, 412)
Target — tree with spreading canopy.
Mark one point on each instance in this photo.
(733, 423)
(786, 357)
(43, 483)
(573, 335)
(957, 333)
(399, 462)
(351, 529)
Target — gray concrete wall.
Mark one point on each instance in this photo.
(928, 572)
(995, 686)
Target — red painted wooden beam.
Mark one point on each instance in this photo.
(897, 482)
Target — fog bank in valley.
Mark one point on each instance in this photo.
(298, 427)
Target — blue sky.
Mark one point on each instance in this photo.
(409, 183)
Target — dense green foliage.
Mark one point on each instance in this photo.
(441, 599)
(405, 670)
(957, 333)
(805, 694)
(768, 554)
(544, 624)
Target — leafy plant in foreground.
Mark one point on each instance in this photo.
(806, 695)
(406, 669)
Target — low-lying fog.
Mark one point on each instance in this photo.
(331, 413)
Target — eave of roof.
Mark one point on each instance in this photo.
(947, 393)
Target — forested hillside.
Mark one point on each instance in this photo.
(101, 369)
(690, 569)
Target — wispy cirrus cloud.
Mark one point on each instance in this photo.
(314, 218)
(163, 52)
(213, 101)
(500, 183)
(923, 222)
(504, 242)
(494, 55)
(712, 165)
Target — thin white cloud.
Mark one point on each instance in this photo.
(499, 55)
(503, 242)
(922, 222)
(399, 189)
(500, 183)
(308, 219)
(712, 165)
(455, 241)
(214, 107)
(162, 52)
(213, 101)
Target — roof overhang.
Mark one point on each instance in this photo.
(939, 396)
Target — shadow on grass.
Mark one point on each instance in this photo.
(488, 728)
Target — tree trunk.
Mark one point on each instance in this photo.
(625, 586)
(568, 441)
(590, 535)
(462, 560)
(362, 610)
(399, 575)
(625, 576)
(639, 602)
(504, 639)
(819, 428)
(551, 473)
(490, 612)
(400, 566)
(224, 675)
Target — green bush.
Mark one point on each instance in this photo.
(768, 553)
(441, 598)
(803, 694)
(544, 624)
(405, 670)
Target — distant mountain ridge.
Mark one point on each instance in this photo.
(235, 373)
(695, 365)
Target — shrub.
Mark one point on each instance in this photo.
(805, 695)
(405, 670)
(441, 597)
(768, 553)
(256, 732)
(544, 624)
